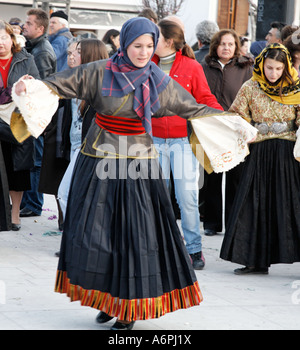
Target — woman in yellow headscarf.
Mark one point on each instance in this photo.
(264, 225)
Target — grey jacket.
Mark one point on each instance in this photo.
(22, 63)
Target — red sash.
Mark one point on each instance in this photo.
(120, 125)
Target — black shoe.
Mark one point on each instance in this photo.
(25, 213)
(209, 232)
(15, 227)
(251, 270)
(57, 254)
(102, 317)
(119, 326)
(198, 260)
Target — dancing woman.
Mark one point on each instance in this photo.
(122, 252)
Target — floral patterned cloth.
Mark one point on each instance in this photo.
(257, 107)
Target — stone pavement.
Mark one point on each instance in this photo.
(28, 301)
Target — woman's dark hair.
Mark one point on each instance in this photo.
(287, 31)
(292, 43)
(279, 56)
(107, 37)
(216, 40)
(243, 40)
(171, 30)
(92, 49)
(149, 13)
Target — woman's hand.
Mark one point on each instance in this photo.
(20, 86)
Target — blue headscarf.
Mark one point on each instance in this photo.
(121, 77)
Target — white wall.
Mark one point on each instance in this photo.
(193, 12)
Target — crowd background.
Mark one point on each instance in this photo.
(48, 43)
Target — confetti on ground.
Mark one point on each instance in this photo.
(52, 233)
(47, 209)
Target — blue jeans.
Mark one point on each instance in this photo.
(176, 155)
(32, 199)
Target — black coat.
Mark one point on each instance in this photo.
(43, 54)
(57, 145)
(55, 162)
(225, 83)
(202, 53)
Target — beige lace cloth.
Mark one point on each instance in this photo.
(223, 141)
(37, 106)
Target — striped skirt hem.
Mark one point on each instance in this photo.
(130, 310)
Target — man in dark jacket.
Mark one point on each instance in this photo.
(205, 30)
(34, 30)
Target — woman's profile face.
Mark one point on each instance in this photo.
(164, 47)
(273, 70)
(116, 40)
(140, 50)
(245, 48)
(74, 56)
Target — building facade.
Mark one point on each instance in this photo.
(249, 18)
(84, 16)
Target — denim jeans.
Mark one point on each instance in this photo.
(64, 187)
(32, 199)
(175, 154)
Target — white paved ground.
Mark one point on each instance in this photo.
(28, 301)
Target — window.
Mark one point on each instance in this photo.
(233, 14)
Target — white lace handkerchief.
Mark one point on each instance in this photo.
(37, 105)
(6, 111)
(224, 139)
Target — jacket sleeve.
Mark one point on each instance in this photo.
(45, 64)
(76, 82)
(240, 105)
(175, 99)
(32, 68)
(201, 90)
(60, 45)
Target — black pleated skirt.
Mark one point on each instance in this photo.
(264, 224)
(122, 251)
(5, 214)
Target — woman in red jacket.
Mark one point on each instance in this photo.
(170, 134)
